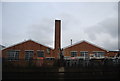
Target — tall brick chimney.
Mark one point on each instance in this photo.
(57, 46)
(57, 34)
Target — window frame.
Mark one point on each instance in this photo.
(13, 55)
(73, 55)
(30, 56)
(42, 51)
(85, 53)
(98, 52)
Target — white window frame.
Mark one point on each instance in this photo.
(29, 54)
(84, 54)
(98, 53)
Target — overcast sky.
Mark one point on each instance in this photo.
(96, 22)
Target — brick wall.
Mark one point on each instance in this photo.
(82, 46)
(28, 45)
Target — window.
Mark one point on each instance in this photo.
(84, 53)
(99, 54)
(13, 55)
(73, 54)
(40, 53)
(28, 55)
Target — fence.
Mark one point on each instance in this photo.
(64, 63)
(91, 62)
(73, 69)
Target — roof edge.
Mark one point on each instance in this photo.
(26, 41)
(87, 42)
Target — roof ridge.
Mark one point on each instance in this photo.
(73, 44)
(26, 41)
(86, 42)
(96, 45)
(42, 44)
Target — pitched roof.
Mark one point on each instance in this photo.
(86, 42)
(27, 41)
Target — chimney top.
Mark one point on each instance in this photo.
(57, 20)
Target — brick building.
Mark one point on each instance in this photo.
(28, 50)
(31, 50)
(113, 54)
(84, 50)
(22, 53)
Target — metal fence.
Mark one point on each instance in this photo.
(91, 63)
(64, 63)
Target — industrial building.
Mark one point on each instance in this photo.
(84, 50)
(20, 54)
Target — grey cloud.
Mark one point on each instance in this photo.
(10, 38)
(111, 45)
(69, 20)
(107, 27)
(42, 32)
(110, 26)
(70, 27)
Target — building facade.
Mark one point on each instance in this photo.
(26, 51)
(22, 53)
(84, 50)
